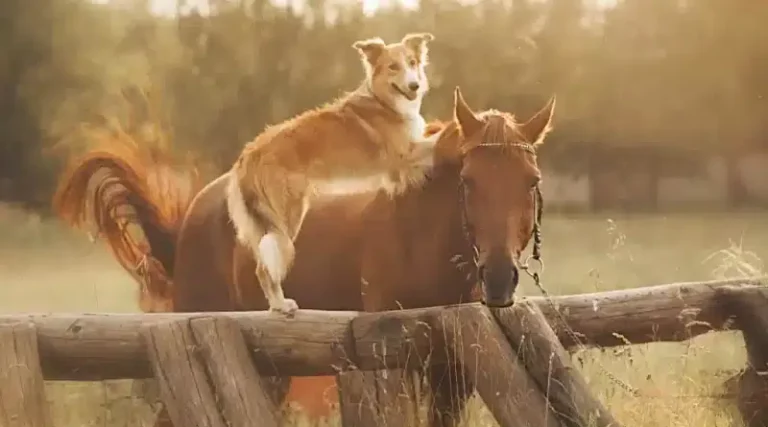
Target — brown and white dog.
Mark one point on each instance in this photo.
(373, 138)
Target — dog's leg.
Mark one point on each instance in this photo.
(275, 253)
(269, 242)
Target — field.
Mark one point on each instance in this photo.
(44, 267)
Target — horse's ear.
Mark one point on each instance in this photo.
(370, 49)
(538, 126)
(463, 115)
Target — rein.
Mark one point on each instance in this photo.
(535, 274)
(538, 201)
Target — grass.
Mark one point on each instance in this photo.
(44, 267)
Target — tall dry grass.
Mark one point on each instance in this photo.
(44, 267)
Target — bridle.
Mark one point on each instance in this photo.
(538, 202)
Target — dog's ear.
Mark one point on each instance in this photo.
(417, 42)
(370, 49)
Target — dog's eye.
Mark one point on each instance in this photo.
(394, 66)
(412, 62)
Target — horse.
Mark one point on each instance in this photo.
(480, 204)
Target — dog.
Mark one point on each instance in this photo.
(373, 137)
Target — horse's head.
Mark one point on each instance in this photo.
(499, 192)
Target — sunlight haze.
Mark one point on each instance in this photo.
(168, 7)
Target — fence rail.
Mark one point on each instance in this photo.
(510, 351)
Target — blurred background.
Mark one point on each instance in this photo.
(656, 171)
(661, 103)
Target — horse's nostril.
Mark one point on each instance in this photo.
(413, 86)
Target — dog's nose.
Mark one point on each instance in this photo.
(413, 86)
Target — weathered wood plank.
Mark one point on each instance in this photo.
(672, 312)
(509, 392)
(550, 366)
(22, 389)
(184, 388)
(750, 312)
(242, 393)
(396, 398)
(378, 398)
(94, 347)
(356, 398)
(98, 347)
(393, 339)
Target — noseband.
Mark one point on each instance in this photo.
(538, 201)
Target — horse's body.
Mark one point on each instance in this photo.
(355, 252)
(362, 252)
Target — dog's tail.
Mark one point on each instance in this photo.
(119, 188)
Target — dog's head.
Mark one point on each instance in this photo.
(396, 71)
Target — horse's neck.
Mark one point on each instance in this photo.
(432, 216)
(433, 210)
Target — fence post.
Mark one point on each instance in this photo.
(550, 366)
(748, 306)
(22, 389)
(184, 387)
(382, 397)
(242, 392)
(356, 398)
(481, 348)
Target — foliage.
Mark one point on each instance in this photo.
(676, 74)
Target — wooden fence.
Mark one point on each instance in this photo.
(211, 367)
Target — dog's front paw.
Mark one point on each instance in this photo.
(287, 307)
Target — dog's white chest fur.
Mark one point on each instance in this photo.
(416, 127)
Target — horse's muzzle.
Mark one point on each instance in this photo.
(499, 276)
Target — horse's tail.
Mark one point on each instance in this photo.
(120, 188)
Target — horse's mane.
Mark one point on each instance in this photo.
(450, 148)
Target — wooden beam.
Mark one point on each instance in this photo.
(109, 346)
(184, 387)
(509, 392)
(242, 394)
(550, 366)
(357, 398)
(750, 312)
(378, 398)
(22, 389)
(672, 313)
(95, 347)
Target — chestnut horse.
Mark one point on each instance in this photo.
(481, 204)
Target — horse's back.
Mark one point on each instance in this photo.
(325, 276)
(326, 272)
(204, 253)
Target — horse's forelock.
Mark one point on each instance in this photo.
(494, 129)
